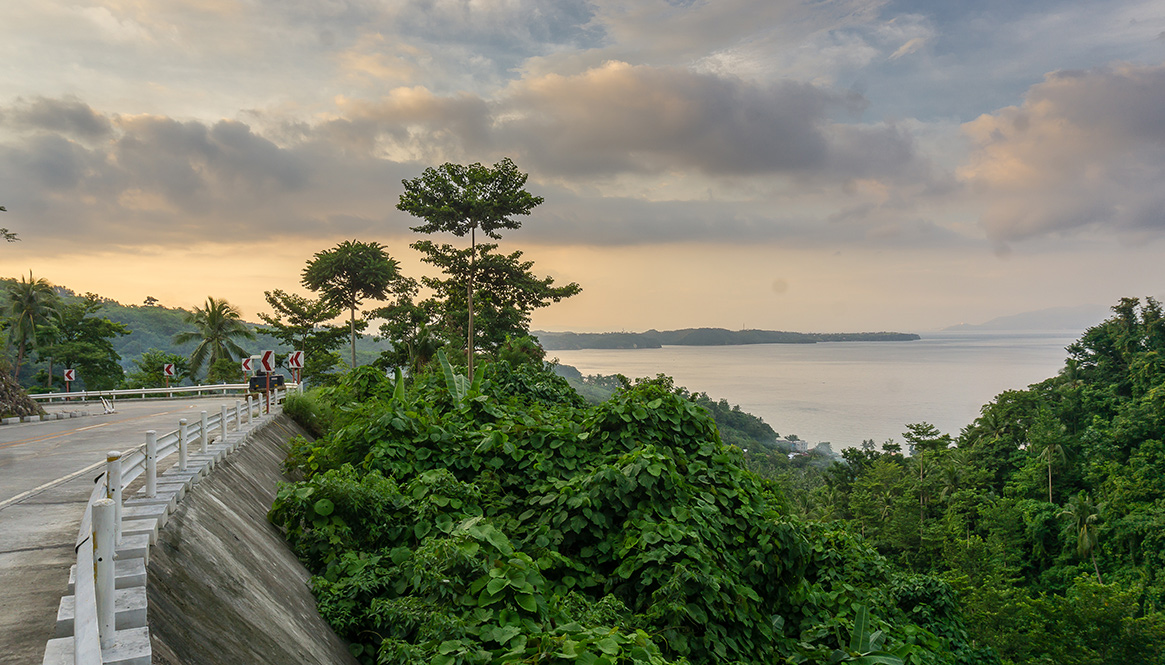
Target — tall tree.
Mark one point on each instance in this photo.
(348, 274)
(217, 326)
(460, 200)
(84, 342)
(30, 305)
(1047, 437)
(300, 323)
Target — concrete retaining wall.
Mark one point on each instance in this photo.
(223, 586)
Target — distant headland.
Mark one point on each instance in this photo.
(654, 339)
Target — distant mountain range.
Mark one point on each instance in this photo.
(1076, 319)
(654, 339)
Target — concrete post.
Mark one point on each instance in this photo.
(183, 434)
(205, 434)
(250, 411)
(151, 463)
(238, 415)
(223, 422)
(113, 488)
(104, 549)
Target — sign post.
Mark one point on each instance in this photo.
(70, 376)
(295, 363)
(267, 361)
(169, 372)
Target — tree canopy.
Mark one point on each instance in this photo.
(458, 199)
(30, 305)
(81, 340)
(301, 323)
(217, 325)
(350, 273)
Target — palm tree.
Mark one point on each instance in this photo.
(30, 304)
(1052, 450)
(1086, 516)
(217, 325)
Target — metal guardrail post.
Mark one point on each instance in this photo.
(183, 434)
(205, 435)
(113, 487)
(151, 463)
(104, 550)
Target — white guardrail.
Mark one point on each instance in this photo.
(222, 388)
(95, 618)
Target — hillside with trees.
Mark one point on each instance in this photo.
(1046, 515)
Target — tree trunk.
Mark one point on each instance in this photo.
(19, 362)
(472, 268)
(1096, 567)
(1049, 477)
(352, 326)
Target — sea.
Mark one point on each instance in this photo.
(845, 392)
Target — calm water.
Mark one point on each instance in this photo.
(849, 391)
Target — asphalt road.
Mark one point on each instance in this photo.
(45, 479)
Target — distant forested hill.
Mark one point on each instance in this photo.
(653, 339)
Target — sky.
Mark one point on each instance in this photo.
(818, 165)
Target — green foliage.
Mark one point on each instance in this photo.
(505, 292)
(1050, 492)
(300, 324)
(29, 306)
(77, 339)
(225, 370)
(309, 411)
(352, 272)
(216, 327)
(516, 350)
(506, 521)
(499, 288)
(147, 372)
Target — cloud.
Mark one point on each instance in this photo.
(625, 118)
(1085, 151)
(69, 116)
(652, 152)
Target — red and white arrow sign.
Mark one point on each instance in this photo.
(70, 375)
(295, 360)
(248, 366)
(169, 370)
(267, 361)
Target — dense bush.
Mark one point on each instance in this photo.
(506, 521)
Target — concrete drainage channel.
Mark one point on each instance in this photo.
(104, 620)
